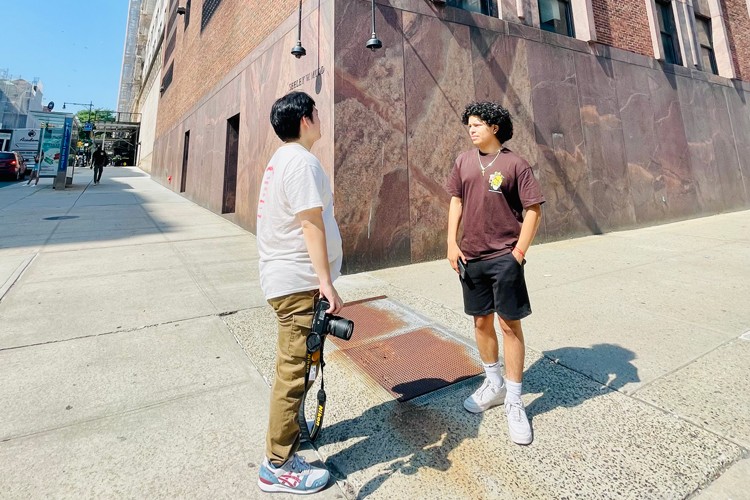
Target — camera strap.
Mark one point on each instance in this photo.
(310, 434)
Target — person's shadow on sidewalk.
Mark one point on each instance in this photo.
(412, 436)
(608, 364)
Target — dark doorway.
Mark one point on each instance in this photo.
(185, 150)
(230, 164)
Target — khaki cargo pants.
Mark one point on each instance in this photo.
(294, 314)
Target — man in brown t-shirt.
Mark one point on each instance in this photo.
(490, 187)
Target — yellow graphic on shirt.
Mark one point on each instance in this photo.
(496, 180)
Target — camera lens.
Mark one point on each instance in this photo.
(340, 327)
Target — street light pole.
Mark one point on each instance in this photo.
(90, 105)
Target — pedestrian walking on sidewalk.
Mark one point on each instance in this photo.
(490, 188)
(99, 160)
(300, 256)
(34, 176)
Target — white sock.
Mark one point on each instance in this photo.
(492, 371)
(514, 391)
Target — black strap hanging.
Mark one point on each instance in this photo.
(315, 343)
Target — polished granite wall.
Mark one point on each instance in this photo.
(616, 139)
(250, 89)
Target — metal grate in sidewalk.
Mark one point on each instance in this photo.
(401, 351)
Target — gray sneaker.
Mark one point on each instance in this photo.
(485, 397)
(296, 476)
(518, 424)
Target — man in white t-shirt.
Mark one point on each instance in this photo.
(300, 257)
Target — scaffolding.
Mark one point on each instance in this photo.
(17, 98)
(130, 74)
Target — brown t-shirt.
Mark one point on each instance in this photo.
(493, 204)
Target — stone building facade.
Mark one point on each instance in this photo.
(632, 112)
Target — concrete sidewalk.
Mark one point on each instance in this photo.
(136, 354)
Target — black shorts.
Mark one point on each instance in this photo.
(496, 285)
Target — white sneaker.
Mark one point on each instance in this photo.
(518, 424)
(484, 398)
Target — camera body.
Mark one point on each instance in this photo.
(324, 323)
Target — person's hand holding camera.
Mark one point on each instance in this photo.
(329, 292)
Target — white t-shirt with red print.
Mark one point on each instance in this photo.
(294, 181)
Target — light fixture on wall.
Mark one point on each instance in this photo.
(298, 50)
(181, 11)
(374, 42)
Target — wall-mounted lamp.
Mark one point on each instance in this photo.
(181, 11)
(162, 89)
(298, 50)
(374, 42)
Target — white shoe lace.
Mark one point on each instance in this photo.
(515, 410)
(485, 385)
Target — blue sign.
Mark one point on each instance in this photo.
(65, 145)
(88, 127)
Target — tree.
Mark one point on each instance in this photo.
(97, 115)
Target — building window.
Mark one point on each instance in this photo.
(172, 13)
(486, 7)
(167, 80)
(668, 30)
(209, 7)
(556, 16)
(171, 43)
(187, 14)
(705, 40)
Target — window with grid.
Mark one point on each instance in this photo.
(706, 41)
(486, 7)
(668, 30)
(209, 7)
(556, 16)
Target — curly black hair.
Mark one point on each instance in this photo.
(492, 114)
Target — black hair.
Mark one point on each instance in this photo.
(287, 112)
(492, 114)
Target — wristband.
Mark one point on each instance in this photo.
(523, 255)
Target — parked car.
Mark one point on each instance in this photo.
(12, 164)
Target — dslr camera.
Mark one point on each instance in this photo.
(323, 324)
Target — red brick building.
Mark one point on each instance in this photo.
(632, 112)
(738, 28)
(623, 25)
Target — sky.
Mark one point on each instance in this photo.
(74, 47)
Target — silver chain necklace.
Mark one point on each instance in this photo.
(482, 167)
